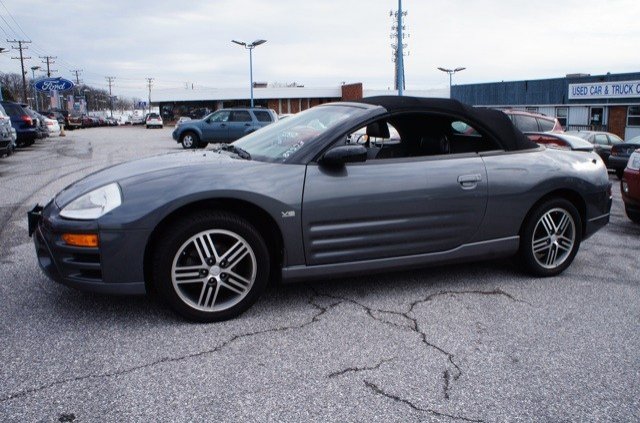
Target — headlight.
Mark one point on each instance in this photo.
(634, 161)
(94, 204)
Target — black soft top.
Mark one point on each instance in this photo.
(495, 122)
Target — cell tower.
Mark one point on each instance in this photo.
(398, 45)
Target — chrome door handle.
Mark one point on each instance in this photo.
(469, 181)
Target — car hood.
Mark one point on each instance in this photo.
(150, 168)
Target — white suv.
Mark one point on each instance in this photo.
(153, 119)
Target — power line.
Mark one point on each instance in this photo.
(22, 59)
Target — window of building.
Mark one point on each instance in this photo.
(597, 116)
(633, 116)
(562, 113)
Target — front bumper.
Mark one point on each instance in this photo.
(115, 267)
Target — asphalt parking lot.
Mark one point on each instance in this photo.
(474, 342)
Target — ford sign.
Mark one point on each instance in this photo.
(53, 84)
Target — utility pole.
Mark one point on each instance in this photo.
(21, 47)
(49, 60)
(77, 72)
(110, 80)
(398, 35)
(150, 84)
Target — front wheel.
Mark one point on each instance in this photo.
(189, 140)
(211, 266)
(550, 238)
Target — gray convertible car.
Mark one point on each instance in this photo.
(341, 189)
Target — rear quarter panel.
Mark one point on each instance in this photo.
(518, 180)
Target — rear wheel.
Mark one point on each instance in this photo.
(211, 266)
(550, 238)
(619, 173)
(189, 140)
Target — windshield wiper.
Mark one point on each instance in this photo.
(243, 154)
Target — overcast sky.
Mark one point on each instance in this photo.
(321, 43)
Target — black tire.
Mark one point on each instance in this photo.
(619, 173)
(189, 140)
(633, 215)
(555, 251)
(147, 126)
(177, 247)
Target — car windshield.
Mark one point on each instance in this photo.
(278, 141)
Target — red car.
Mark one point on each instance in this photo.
(533, 122)
(630, 187)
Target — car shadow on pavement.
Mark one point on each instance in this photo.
(148, 308)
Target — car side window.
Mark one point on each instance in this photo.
(263, 116)
(614, 139)
(526, 123)
(418, 135)
(240, 116)
(222, 116)
(601, 139)
(546, 125)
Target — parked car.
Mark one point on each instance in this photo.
(560, 141)
(75, 121)
(437, 196)
(222, 126)
(111, 121)
(630, 187)
(137, 117)
(182, 120)
(533, 122)
(602, 142)
(54, 115)
(6, 134)
(39, 119)
(24, 124)
(199, 113)
(52, 126)
(153, 120)
(620, 154)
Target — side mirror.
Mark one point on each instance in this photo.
(338, 156)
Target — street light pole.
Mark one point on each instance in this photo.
(33, 77)
(250, 47)
(451, 72)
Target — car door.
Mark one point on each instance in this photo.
(392, 207)
(602, 146)
(216, 127)
(240, 123)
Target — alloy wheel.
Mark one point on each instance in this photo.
(553, 238)
(214, 270)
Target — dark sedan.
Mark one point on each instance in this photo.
(602, 142)
(620, 154)
(313, 197)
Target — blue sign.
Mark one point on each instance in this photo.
(47, 85)
(142, 105)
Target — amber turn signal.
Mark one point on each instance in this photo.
(81, 240)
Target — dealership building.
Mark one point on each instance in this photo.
(181, 102)
(608, 102)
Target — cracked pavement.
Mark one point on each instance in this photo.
(477, 342)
